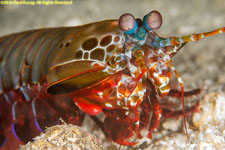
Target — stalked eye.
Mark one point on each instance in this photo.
(152, 20)
(127, 23)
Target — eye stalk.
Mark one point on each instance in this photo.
(127, 23)
(152, 20)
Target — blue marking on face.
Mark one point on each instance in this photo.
(140, 35)
(145, 22)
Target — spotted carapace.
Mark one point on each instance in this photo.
(120, 68)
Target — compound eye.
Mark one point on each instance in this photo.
(127, 23)
(152, 20)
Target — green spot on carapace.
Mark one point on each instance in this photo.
(98, 54)
(90, 44)
(78, 54)
(106, 40)
(116, 39)
(86, 55)
(110, 48)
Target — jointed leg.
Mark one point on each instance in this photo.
(117, 126)
(167, 113)
(177, 93)
(150, 106)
